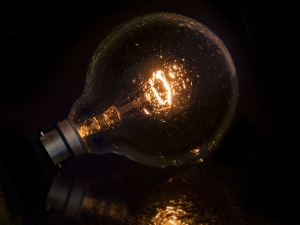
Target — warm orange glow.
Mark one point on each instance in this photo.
(171, 215)
(160, 77)
(146, 111)
(171, 75)
(159, 91)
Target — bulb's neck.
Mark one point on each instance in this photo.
(62, 142)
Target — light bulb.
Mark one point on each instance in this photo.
(160, 89)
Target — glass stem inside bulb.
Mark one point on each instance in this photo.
(109, 117)
(100, 121)
(154, 90)
(133, 104)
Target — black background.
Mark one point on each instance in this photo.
(45, 49)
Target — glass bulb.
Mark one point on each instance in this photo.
(160, 89)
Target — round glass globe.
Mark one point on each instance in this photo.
(161, 89)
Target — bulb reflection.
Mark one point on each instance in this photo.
(188, 198)
(166, 89)
(95, 207)
(83, 201)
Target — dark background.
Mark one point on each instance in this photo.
(45, 49)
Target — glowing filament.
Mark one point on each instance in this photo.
(171, 75)
(146, 111)
(160, 77)
(157, 91)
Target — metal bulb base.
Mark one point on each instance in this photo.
(62, 143)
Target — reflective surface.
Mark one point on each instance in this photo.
(182, 198)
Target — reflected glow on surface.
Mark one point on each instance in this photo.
(172, 215)
(191, 198)
(183, 210)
